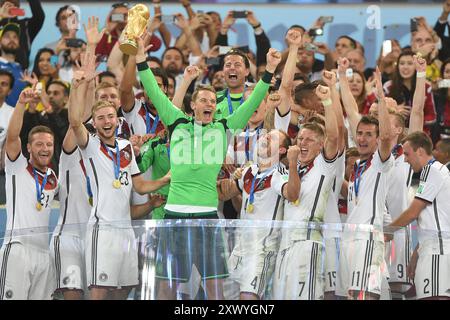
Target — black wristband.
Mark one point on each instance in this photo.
(257, 26)
(142, 66)
(138, 158)
(267, 77)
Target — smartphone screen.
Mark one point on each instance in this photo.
(413, 25)
(168, 19)
(239, 14)
(224, 49)
(387, 47)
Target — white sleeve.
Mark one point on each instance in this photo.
(92, 145)
(278, 181)
(380, 165)
(131, 116)
(193, 60)
(328, 167)
(282, 122)
(13, 167)
(431, 181)
(134, 167)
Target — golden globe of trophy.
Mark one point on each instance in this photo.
(138, 17)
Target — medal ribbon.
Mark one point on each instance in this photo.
(230, 105)
(151, 129)
(252, 188)
(358, 174)
(41, 188)
(116, 162)
(247, 138)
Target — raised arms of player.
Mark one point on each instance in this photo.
(416, 118)
(81, 82)
(126, 85)
(294, 39)
(330, 147)
(166, 110)
(190, 74)
(383, 119)
(239, 118)
(13, 144)
(330, 80)
(349, 102)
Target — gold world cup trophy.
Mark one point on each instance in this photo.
(138, 17)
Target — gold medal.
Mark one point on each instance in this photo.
(116, 184)
(91, 201)
(296, 203)
(250, 208)
(38, 206)
(248, 163)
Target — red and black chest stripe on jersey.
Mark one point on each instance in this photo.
(52, 180)
(397, 151)
(303, 171)
(125, 155)
(142, 112)
(259, 185)
(355, 167)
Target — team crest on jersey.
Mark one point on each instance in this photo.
(52, 180)
(259, 184)
(9, 294)
(125, 155)
(103, 277)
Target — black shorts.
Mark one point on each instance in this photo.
(179, 248)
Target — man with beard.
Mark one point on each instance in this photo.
(56, 117)
(30, 27)
(113, 172)
(26, 267)
(10, 47)
(173, 63)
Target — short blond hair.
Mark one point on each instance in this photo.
(102, 104)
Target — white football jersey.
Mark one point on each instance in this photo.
(73, 195)
(109, 203)
(315, 188)
(332, 212)
(21, 200)
(369, 207)
(140, 120)
(268, 202)
(434, 220)
(400, 181)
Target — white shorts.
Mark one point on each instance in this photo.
(253, 268)
(26, 273)
(68, 256)
(299, 272)
(111, 257)
(361, 266)
(332, 250)
(398, 253)
(432, 277)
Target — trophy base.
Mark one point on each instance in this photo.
(129, 48)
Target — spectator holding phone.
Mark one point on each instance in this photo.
(387, 59)
(403, 85)
(10, 11)
(439, 27)
(115, 24)
(67, 23)
(10, 49)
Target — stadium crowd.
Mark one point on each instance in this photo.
(209, 130)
